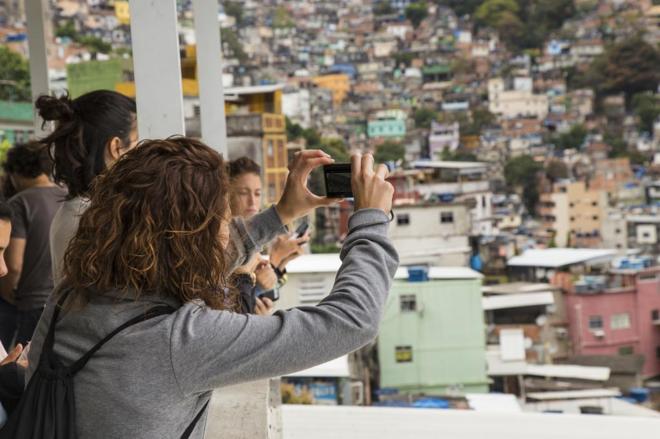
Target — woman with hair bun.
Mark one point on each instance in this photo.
(91, 132)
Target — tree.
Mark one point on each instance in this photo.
(556, 170)
(14, 76)
(235, 9)
(229, 37)
(457, 156)
(417, 12)
(424, 116)
(461, 7)
(491, 12)
(282, 19)
(383, 8)
(293, 130)
(390, 152)
(647, 109)
(67, 30)
(574, 138)
(520, 172)
(336, 148)
(629, 67)
(94, 44)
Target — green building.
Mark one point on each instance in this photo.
(386, 128)
(16, 122)
(432, 337)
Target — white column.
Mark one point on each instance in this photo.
(38, 18)
(157, 68)
(209, 74)
(246, 411)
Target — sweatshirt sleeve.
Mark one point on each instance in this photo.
(212, 348)
(247, 237)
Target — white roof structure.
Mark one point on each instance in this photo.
(499, 366)
(507, 301)
(518, 287)
(337, 368)
(462, 167)
(493, 402)
(253, 89)
(332, 422)
(438, 273)
(316, 263)
(575, 394)
(561, 257)
(611, 406)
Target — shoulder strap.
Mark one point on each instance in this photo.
(151, 313)
(186, 434)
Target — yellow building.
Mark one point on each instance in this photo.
(339, 84)
(574, 214)
(122, 12)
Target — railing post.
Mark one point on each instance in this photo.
(38, 29)
(157, 68)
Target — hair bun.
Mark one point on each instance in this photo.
(57, 109)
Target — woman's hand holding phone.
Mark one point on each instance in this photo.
(370, 188)
(297, 200)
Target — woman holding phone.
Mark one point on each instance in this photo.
(156, 232)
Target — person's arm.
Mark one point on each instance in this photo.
(15, 251)
(215, 348)
(247, 237)
(14, 259)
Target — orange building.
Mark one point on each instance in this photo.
(339, 84)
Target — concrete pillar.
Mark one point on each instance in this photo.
(246, 411)
(157, 68)
(38, 23)
(209, 74)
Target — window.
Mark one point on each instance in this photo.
(595, 322)
(571, 205)
(626, 350)
(594, 203)
(655, 315)
(595, 217)
(446, 217)
(620, 321)
(617, 231)
(572, 218)
(657, 352)
(270, 148)
(402, 219)
(408, 302)
(483, 201)
(403, 354)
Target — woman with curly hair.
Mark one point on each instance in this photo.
(158, 231)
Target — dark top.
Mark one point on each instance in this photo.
(12, 381)
(33, 210)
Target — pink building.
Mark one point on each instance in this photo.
(615, 313)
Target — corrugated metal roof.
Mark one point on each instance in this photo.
(560, 257)
(507, 301)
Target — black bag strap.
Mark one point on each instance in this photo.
(149, 314)
(186, 434)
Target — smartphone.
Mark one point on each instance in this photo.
(273, 295)
(302, 229)
(338, 180)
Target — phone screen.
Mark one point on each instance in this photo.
(338, 181)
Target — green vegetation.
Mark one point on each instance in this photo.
(458, 156)
(424, 116)
(229, 37)
(336, 148)
(556, 170)
(93, 44)
(14, 76)
(282, 18)
(333, 146)
(324, 248)
(574, 138)
(390, 152)
(520, 174)
(417, 12)
(524, 24)
(646, 107)
(234, 9)
(630, 67)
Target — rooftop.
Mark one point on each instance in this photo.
(518, 288)
(441, 164)
(561, 257)
(443, 273)
(332, 422)
(508, 301)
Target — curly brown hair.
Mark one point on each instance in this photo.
(154, 225)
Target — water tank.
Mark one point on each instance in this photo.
(418, 274)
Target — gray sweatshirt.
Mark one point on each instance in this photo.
(150, 380)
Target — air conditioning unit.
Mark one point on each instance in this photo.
(599, 333)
